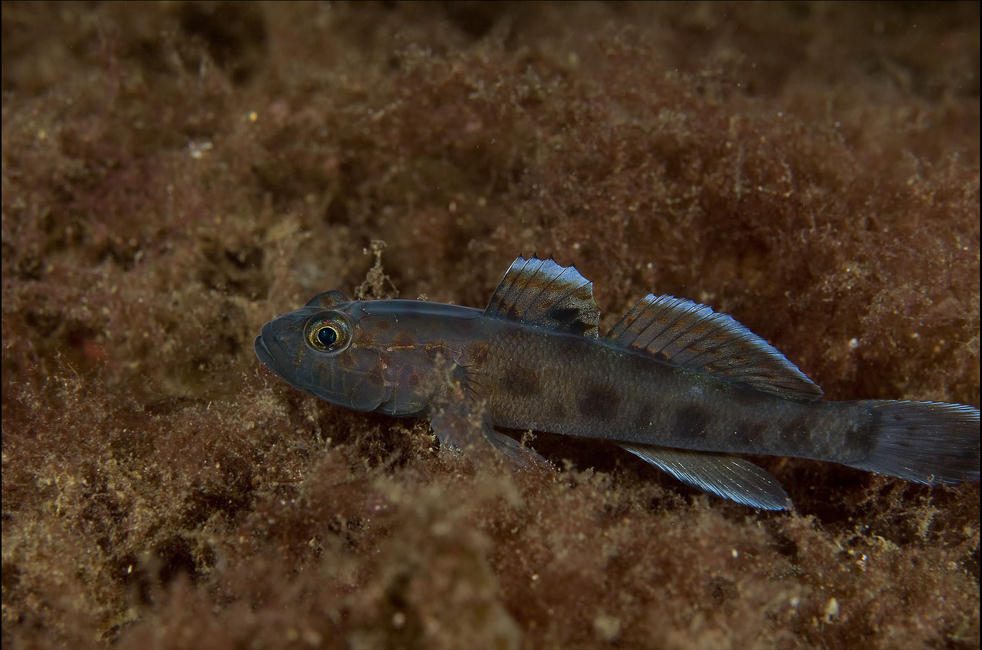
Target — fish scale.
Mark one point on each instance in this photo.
(675, 383)
(618, 395)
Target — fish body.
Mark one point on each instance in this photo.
(675, 383)
(608, 394)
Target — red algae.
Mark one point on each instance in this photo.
(174, 176)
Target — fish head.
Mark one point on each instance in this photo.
(389, 356)
(314, 349)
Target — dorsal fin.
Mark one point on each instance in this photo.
(541, 292)
(691, 335)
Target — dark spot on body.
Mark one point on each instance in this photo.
(645, 417)
(524, 381)
(557, 411)
(598, 402)
(741, 439)
(751, 433)
(691, 421)
(797, 435)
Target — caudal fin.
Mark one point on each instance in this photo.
(927, 442)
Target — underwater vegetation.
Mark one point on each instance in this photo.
(176, 175)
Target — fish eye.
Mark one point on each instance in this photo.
(328, 333)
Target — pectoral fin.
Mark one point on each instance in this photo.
(516, 452)
(729, 477)
(465, 427)
(459, 430)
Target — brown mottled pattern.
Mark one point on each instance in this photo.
(598, 401)
(619, 395)
(524, 380)
(692, 420)
(403, 339)
(364, 337)
(532, 360)
(475, 354)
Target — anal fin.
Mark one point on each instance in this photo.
(730, 477)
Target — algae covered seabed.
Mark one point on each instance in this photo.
(174, 175)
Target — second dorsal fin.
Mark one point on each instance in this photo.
(691, 335)
(541, 292)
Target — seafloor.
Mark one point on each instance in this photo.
(174, 175)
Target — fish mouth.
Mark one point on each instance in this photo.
(263, 352)
(269, 349)
(272, 346)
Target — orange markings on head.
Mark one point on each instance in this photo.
(433, 350)
(363, 337)
(477, 353)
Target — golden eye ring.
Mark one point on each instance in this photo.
(328, 334)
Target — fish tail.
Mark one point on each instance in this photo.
(927, 442)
